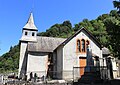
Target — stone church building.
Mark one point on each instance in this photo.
(57, 57)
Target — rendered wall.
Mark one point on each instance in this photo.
(37, 63)
(71, 57)
(22, 59)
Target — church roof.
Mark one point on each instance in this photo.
(30, 23)
(45, 44)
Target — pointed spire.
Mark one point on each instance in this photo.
(30, 23)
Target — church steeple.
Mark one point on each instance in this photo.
(30, 23)
(29, 30)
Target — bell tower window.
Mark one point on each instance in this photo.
(26, 33)
(33, 34)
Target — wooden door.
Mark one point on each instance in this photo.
(82, 61)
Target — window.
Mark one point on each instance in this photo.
(78, 45)
(83, 45)
(26, 33)
(87, 43)
(33, 34)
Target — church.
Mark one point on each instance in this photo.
(58, 58)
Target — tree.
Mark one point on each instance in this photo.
(9, 61)
(59, 30)
(117, 5)
(113, 29)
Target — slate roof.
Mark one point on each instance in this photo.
(45, 44)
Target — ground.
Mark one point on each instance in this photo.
(105, 82)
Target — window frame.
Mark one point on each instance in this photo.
(81, 45)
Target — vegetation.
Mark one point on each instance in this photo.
(59, 30)
(9, 61)
(106, 28)
(116, 4)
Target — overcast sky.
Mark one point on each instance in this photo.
(14, 15)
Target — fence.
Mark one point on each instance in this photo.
(79, 71)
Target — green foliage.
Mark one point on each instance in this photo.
(113, 29)
(116, 4)
(9, 61)
(59, 30)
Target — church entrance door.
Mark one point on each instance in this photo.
(82, 61)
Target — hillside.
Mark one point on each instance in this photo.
(9, 61)
(106, 28)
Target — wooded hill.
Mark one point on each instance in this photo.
(106, 28)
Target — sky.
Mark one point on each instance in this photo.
(15, 13)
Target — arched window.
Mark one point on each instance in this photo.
(78, 45)
(87, 43)
(83, 45)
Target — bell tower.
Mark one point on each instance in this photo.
(29, 30)
(29, 34)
